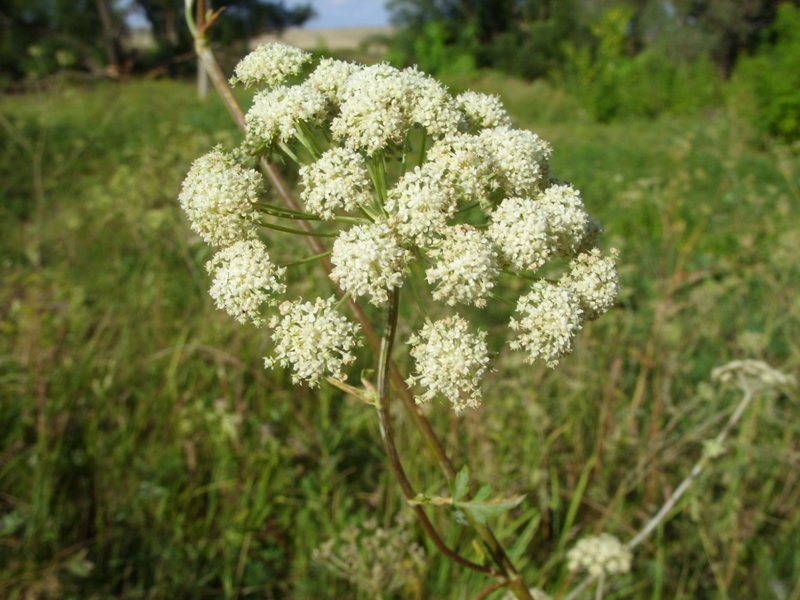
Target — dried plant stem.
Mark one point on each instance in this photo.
(491, 543)
(664, 511)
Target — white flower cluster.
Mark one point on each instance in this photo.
(451, 361)
(270, 64)
(598, 555)
(407, 178)
(595, 281)
(369, 259)
(550, 318)
(313, 339)
(277, 112)
(244, 280)
(483, 111)
(466, 268)
(338, 180)
(752, 375)
(218, 196)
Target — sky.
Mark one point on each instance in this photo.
(345, 13)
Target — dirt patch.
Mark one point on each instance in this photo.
(344, 38)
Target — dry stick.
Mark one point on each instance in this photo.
(496, 551)
(680, 491)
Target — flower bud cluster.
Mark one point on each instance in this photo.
(409, 179)
(598, 555)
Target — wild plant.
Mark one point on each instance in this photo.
(426, 211)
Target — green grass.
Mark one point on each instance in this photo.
(145, 452)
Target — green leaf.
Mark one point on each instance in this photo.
(462, 483)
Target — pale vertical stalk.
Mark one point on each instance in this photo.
(664, 511)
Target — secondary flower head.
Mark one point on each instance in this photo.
(465, 163)
(520, 157)
(337, 180)
(277, 112)
(599, 555)
(550, 316)
(330, 78)
(314, 339)
(244, 280)
(519, 230)
(450, 360)
(375, 109)
(483, 111)
(369, 259)
(218, 195)
(420, 204)
(595, 281)
(466, 267)
(270, 64)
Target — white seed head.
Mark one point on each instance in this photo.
(600, 554)
(269, 65)
(420, 204)
(275, 113)
(314, 339)
(550, 316)
(466, 267)
(520, 158)
(218, 195)
(483, 111)
(369, 259)
(753, 375)
(244, 280)
(595, 281)
(337, 180)
(450, 360)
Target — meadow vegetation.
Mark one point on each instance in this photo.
(146, 453)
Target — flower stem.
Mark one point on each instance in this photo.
(384, 418)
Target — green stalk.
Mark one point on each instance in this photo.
(305, 232)
(305, 261)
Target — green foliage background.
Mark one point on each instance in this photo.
(145, 453)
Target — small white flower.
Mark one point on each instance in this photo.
(244, 279)
(520, 158)
(314, 339)
(431, 106)
(338, 180)
(466, 267)
(519, 228)
(483, 111)
(330, 78)
(421, 203)
(595, 281)
(599, 555)
(270, 64)
(275, 113)
(369, 259)
(465, 162)
(375, 109)
(450, 360)
(550, 316)
(567, 220)
(218, 196)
